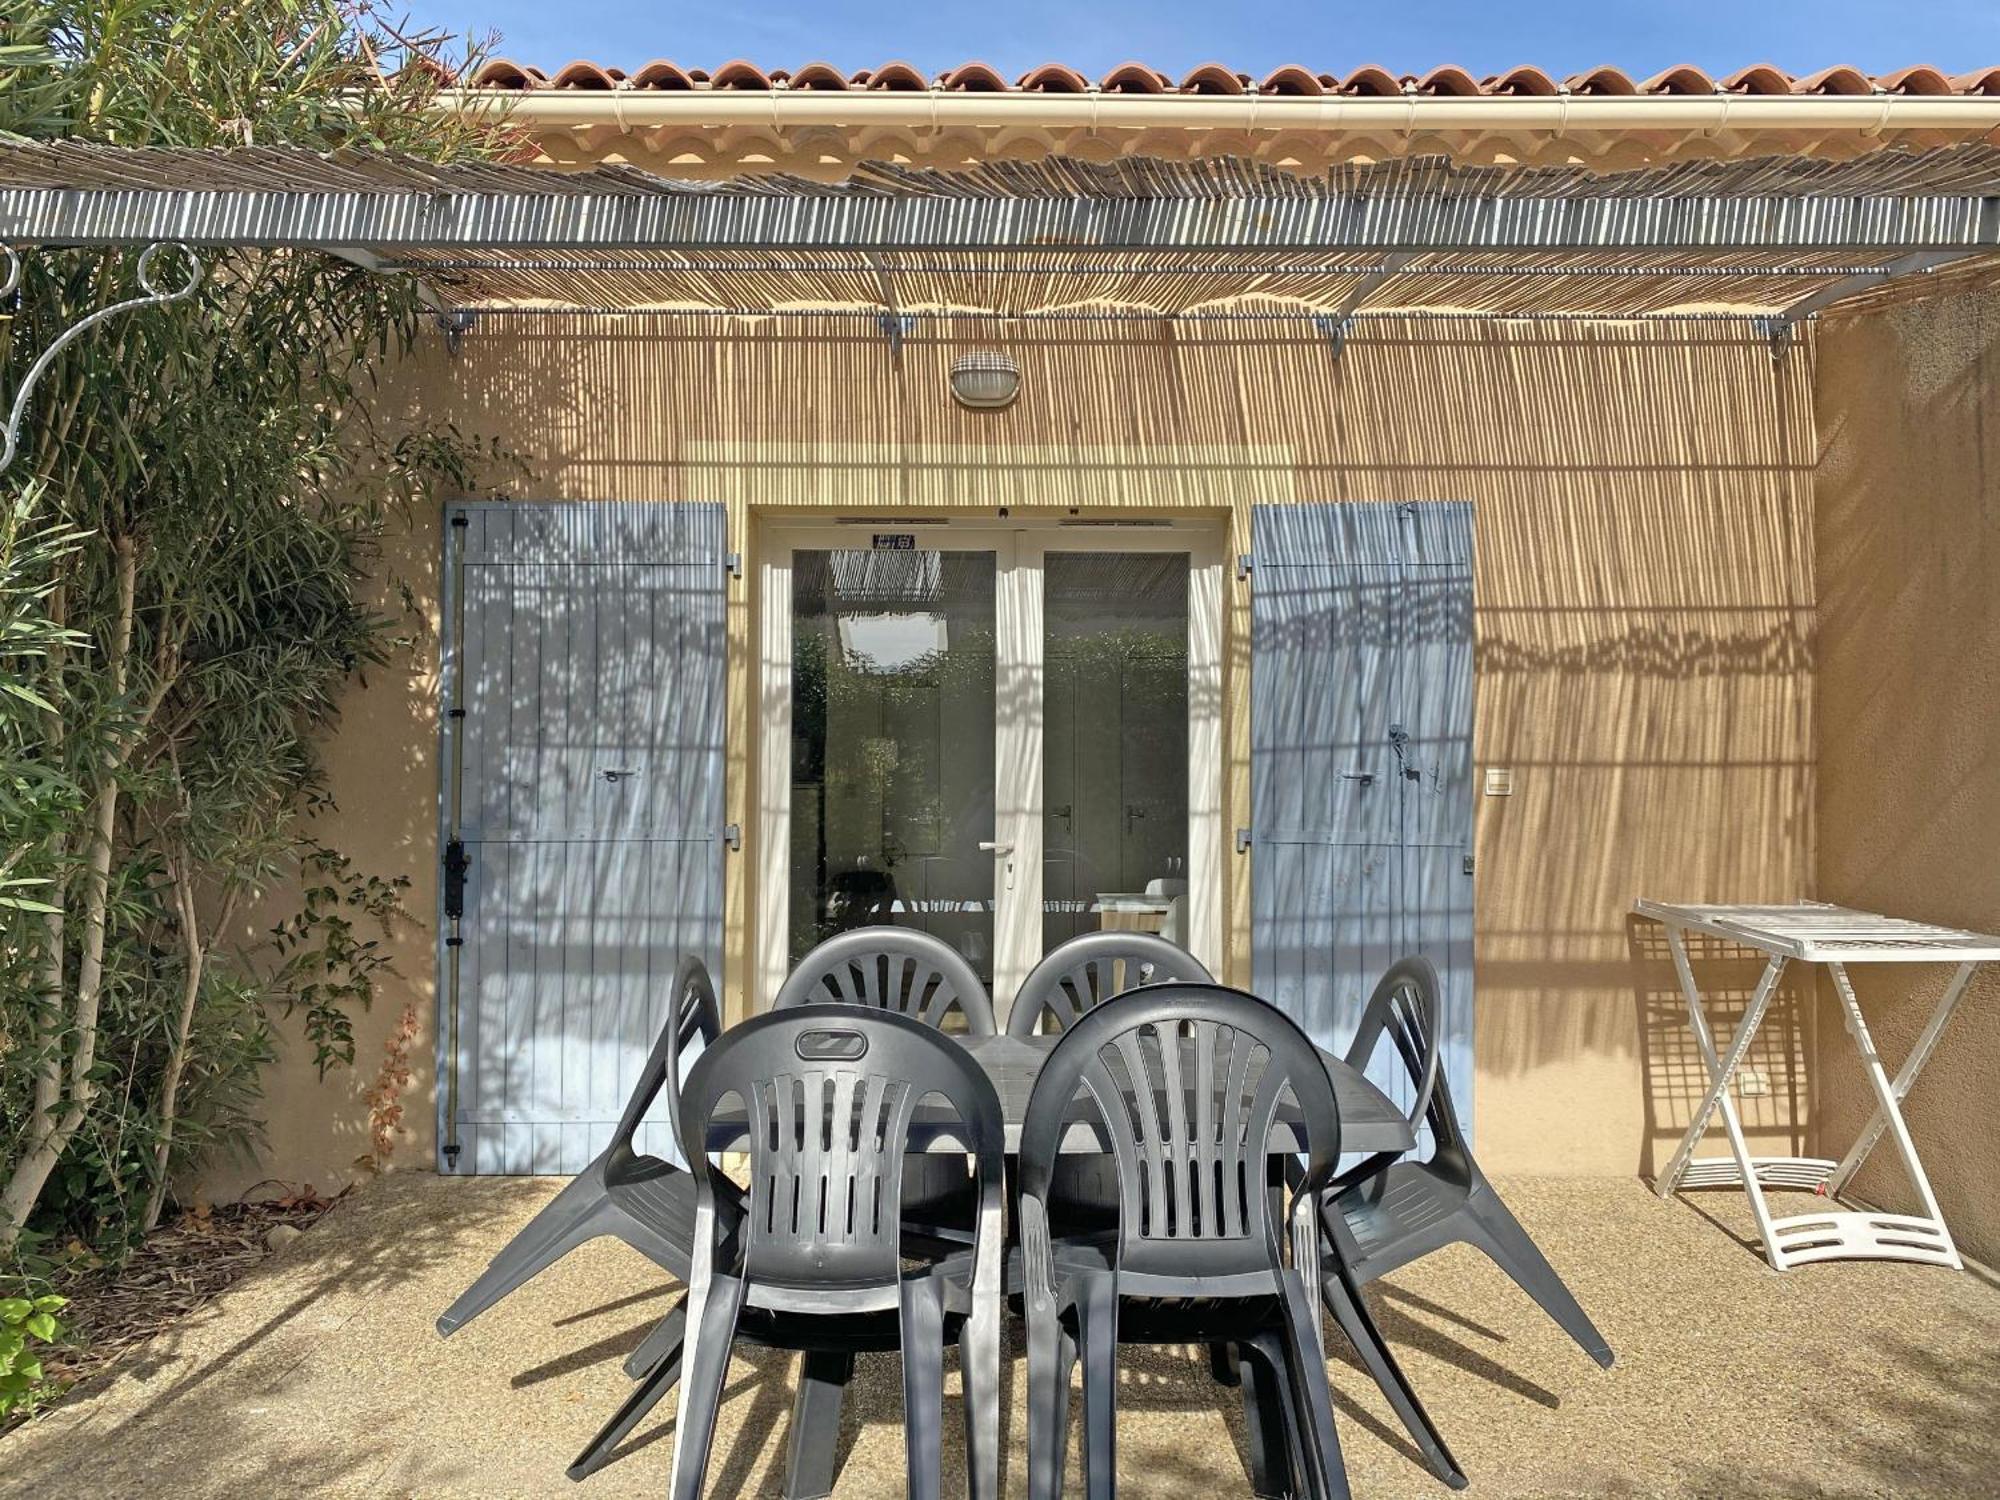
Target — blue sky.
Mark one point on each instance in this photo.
(1563, 36)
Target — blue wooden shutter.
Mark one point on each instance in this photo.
(1361, 761)
(585, 642)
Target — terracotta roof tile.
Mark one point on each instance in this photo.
(1530, 83)
(1135, 78)
(973, 78)
(1054, 78)
(1835, 81)
(1914, 81)
(740, 75)
(1211, 78)
(1293, 80)
(1685, 79)
(661, 74)
(1372, 82)
(1602, 81)
(1760, 78)
(819, 75)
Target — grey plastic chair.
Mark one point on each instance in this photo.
(1187, 1081)
(646, 1201)
(897, 969)
(1387, 1211)
(903, 970)
(819, 1263)
(1090, 968)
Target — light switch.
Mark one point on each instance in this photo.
(1499, 782)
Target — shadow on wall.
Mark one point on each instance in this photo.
(1644, 545)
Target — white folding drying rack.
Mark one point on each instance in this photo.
(1836, 937)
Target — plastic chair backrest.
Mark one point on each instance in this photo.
(691, 1013)
(1089, 969)
(830, 1093)
(1188, 1080)
(897, 969)
(1405, 1006)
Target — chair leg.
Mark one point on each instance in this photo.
(1097, 1344)
(1260, 1369)
(810, 1465)
(1500, 1235)
(664, 1340)
(923, 1386)
(704, 1366)
(1050, 1357)
(654, 1384)
(1324, 1475)
(1225, 1363)
(1343, 1299)
(979, 1376)
(575, 1216)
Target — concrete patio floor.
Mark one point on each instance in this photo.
(320, 1374)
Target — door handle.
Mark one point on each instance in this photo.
(1004, 850)
(616, 774)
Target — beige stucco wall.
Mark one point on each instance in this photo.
(1909, 802)
(1644, 612)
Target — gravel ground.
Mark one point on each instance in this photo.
(319, 1373)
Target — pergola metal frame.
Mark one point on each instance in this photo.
(1861, 224)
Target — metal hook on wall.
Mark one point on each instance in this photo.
(151, 296)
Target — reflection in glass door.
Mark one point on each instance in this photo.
(892, 746)
(1003, 736)
(1115, 743)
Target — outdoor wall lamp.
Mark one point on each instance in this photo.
(985, 380)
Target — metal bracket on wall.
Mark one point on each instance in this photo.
(454, 323)
(1245, 564)
(1778, 331)
(895, 328)
(732, 564)
(1781, 327)
(732, 835)
(1334, 330)
(1335, 326)
(150, 296)
(1242, 840)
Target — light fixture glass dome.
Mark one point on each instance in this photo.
(986, 380)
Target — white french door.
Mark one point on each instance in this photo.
(1002, 735)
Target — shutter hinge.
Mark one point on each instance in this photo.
(1244, 564)
(1468, 864)
(732, 835)
(1242, 840)
(455, 865)
(732, 564)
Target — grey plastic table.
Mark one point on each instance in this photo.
(1369, 1122)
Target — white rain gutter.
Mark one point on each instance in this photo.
(1562, 114)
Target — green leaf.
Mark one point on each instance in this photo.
(42, 1325)
(14, 1309)
(28, 696)
(51, 1303)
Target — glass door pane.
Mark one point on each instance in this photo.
(893, 657)
(1115, 743)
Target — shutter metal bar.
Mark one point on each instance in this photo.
(456, 863)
